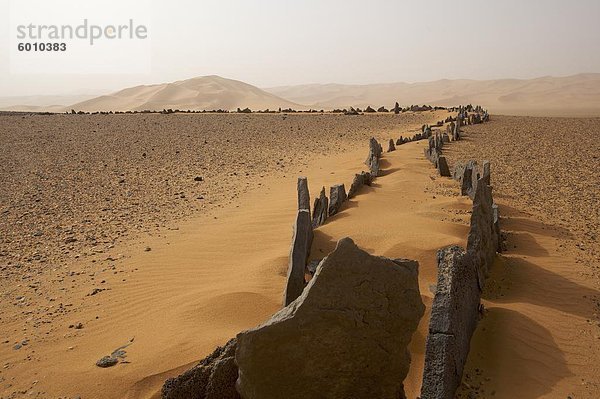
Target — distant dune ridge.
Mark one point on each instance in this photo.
(577, 95)
(572, 95)
(202, 93)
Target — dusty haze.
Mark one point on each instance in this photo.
(273, 43)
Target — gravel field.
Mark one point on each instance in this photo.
(74, 185)
(548, 166)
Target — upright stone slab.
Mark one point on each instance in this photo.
(372, 160)
(443, 167)
(303, 194)
(456, 132)
(374, 150)
(301, 243)
(357, 183)
(213, 378)
(391, 146)
(374, 166)
(337, 195)
(320, 209)
(344, 337)
(486, 174)
(482, 241)
(467, 180)
(454, 317)
(475, 176)
(458, 171)
(496, 221)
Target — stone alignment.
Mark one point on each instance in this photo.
(461, 279)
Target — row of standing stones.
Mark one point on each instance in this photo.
(456, 307)
(344, 331)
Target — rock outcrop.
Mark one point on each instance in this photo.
(454, 317)
(344, 337)
(213, 378)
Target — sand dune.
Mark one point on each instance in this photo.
(202, 93)
(41, 103)
(577, 95)
(572, 95)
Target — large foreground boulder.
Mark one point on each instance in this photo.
(213, 378)
(344, 337)
(454, 317)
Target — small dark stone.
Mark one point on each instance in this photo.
(107, 361)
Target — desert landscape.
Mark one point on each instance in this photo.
(168, 234)
(300, 200)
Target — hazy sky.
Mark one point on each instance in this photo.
(270, 43)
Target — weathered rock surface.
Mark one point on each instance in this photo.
(344, 337)
(337, 196)
(301, 243)
(320, 209)
(443, 167)
(456, 131)
(374, 166)
(391, 146)
(213, 378)
(483, 241)
(107, 361)
(303, 194)
(466, 180)
(486, 174)
(454, 317)
(360, 179)
(372, 160)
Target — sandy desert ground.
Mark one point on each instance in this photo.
(88, 283)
